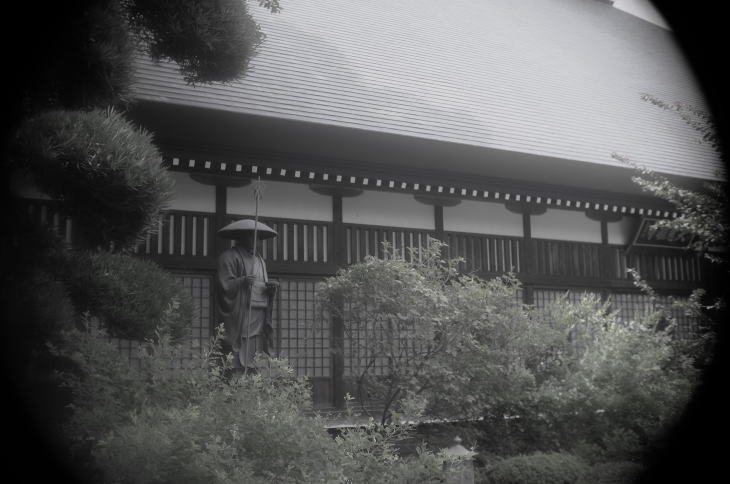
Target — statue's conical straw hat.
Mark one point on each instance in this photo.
(236, 230)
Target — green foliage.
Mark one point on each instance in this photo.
(108, 173)
(702, 213)
(76, 54)
(210, 40)
(437, 334)
(134, 297)
(700, 120)
(372, 451)
(701, 343)
(81, 54)
(451, 345)
(620, 472)
(620, 384)
(154, 424)
(537, 468)
(46, 306)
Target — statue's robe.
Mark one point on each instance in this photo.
(246, 334)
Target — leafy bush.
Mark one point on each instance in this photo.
(611, 473)
(193, 424)
(618, 384)
(131, 295)
(153, 423)
(435, 332)
(107, 172)
(211, 40)
(371, 455)
(449, 345)
(537, 468)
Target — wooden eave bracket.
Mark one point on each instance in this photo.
(525, 208)
(332, 190)
(437, 201)
(220, 180)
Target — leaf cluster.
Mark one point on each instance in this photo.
(620, 385)
(133, 297)
(698, 119)
(702, 213)
(422, 333)
(210, 40)
(618, 472)
(151, 423)
(72, 55)
(546, 468)
(107, 172)
(436, 343)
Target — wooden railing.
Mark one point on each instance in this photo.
(365, 240)
(566, 259)
(306, 251)
(189, 236)
(666, 266)
(298, 241)
(180, 234)
(491, 254)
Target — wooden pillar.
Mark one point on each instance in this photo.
(438, 204)
(337, 329)
(221, 219)
(605, 260)
(339, 249)
(528, 256)
(221, 184)
(339, 258)
(438, 222)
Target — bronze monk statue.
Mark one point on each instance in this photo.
(245, 296)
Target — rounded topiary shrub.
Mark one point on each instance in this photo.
(107, 173)
(132, 296)
(611, 473)
(537, 468)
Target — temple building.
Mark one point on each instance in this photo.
(487, 124)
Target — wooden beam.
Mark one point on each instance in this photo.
(605, 259)
(337, 335)
(525, 208)
(217, 179)
(437, 201)
(331, 190)
(527, 256)
(220, 219)
(438, 221)
(603, 216)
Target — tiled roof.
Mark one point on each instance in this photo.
(557, 78)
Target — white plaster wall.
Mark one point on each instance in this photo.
(191, 195)
(482, 218)
(281, 199)
(388, 209)
(623, 231)
(565, 225)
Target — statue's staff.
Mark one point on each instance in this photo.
(257, 190)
